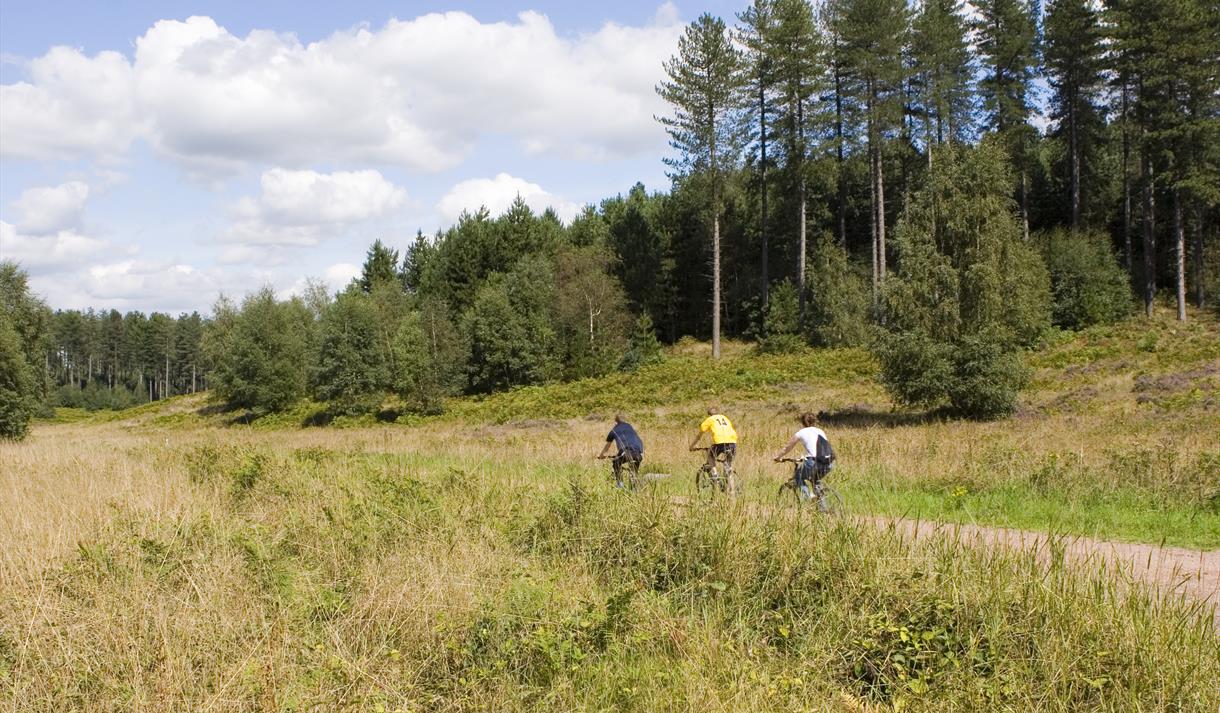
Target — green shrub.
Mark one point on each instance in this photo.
(781, 326)
(1087, 283)
(644, 348)
(17, 385)
(916, 370)
(839, 307)
(986, 379)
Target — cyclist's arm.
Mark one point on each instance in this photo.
(605, 449)
(787, 448)
(698, 437)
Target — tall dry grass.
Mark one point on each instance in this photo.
(461, 567)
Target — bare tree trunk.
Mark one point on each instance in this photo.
(872, 189)
(841, 184)
(881, 271)
(1149, 237)
(716, 284)
(872, 223)
(193, 378)
(1074, 150)
(1179, 236)
(715, 243)
(1198, 264)
(1024, 206)
(800, 265)
(762, 171)
(1126, 185)
(800, 259)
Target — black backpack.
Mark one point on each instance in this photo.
(825, 455)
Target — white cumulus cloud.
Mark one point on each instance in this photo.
(497, 194)
(52, 252)
(307, 207)
(52, 209)
(417, 93)
(73, 106)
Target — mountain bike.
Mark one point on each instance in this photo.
(626, 471)
(711, 478)
(810, 490)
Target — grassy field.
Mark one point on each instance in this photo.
(162, 559)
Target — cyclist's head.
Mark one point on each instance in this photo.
(808, 418)
(620, 418)
(713, 410)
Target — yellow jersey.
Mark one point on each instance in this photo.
(721, 428)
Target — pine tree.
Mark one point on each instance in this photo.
(1074, 63)
(873, 34)
(380, 266)
(756, 35)
(703, 88)
(943, 75)
(799, 60)
(1006, 33)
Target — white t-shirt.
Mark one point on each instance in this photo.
(808, 436)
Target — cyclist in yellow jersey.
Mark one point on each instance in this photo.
(724, 440)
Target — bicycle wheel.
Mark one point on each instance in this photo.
(828, 501)
(788, 494)
(633, 475)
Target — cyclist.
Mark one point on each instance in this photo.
(630, 448)
(818, 453)
(724, 440)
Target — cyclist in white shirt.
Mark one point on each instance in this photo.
(818, 453)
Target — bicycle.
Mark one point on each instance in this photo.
(829, 502)
(709, 478)
(628, 467)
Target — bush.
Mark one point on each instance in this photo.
(839, 310)
(968, 294)
(644, 347)
(351, 372)
(986, 379)
(260, 352)
(781, 326)
(1087, 283)
(17, 385)
(916, 370)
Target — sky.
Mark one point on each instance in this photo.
(154, 155)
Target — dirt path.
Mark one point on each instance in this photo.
(1174, 571)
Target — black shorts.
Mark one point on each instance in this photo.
(729, 449)
(627, 456)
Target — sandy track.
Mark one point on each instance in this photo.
(1174, 571)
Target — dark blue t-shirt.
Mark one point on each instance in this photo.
(625, 437)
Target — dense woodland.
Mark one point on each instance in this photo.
(858, 172)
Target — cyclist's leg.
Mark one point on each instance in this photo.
(634, 459)
(808, 484)
(730, 451)
(617, 465)
(711, 460)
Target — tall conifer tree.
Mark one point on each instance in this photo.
(1006, 35)
(702, 88)
(1074, 62)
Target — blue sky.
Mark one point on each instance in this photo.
(153, 155)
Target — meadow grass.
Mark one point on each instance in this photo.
(370, 569)
(161, 559)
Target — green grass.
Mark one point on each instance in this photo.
(338, 578)
(680, 380)
(1113, 515)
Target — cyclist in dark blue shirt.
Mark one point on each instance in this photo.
(630, 448)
